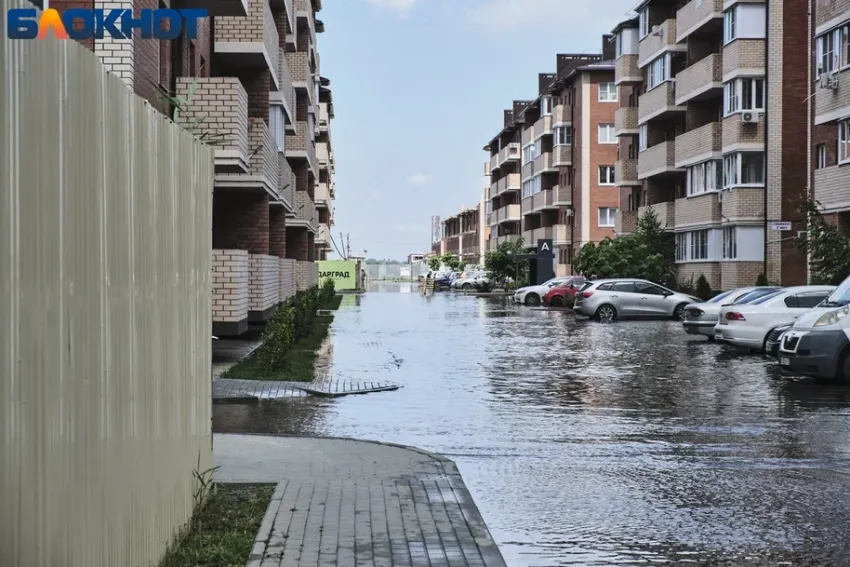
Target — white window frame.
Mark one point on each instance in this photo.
(529, 153)
(606, 175)
(608, 93)
(705, 177)
(563, 135)
(545, 106)
(730, 25)
(730, 243)
(618, 45)
(831, 49)
(531, 187)
(820, 156)
(643, 137)
(643, 22)
(734, 170)
(608, 128)
(277, 126)
(698, 241)
(611, 214)
(844, 141)
(681, 247)
(736, 98)
(658, 71)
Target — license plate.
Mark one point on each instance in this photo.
(785, 361)
(718, 334)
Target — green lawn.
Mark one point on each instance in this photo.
(224, 530)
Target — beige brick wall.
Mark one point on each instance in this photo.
(306, 275)
(699, 144)
(116, 55)
(626, 222)
(562, 155)
(652, 102)
(832, 187)
(299, 66)
(697, 212)
(743, 204)
(692, 15)
(305, 209)
(826, 10)
(219, 106)
(833, 102)
(699, 76)
(257, 27)
(284, 78)
(286, 179)
(711, 271)
(651, 44)
(625, 119)
(740, 274)
(743, 55)
(736, 132)
(300, 142)
(656, 159)
(287, 278)
(626, 68)
(626, 172)
(230, 286)
(265, 159)
(264, 281)
(666, 213)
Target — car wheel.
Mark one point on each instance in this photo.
(606, 314)
(466, 286)
(532, 299)
(843, 373)
(557, 301)
(679, 312)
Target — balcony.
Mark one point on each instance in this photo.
(744, 56)
(700, 144)
(510, 182)
(703, 79)
(285, 93)
(301, 144)
(301, 67)
(286, 184)
(495, 241)
(561, 234)
(665, 212)
(656, 44)
(492, 165)
(660, 158)
(695, 15)
(263, 286)
(508, 213)
(626, 222)
(562, 195)
(248, 42)
(322, 197)
(543, 127)
(324, 117)
(305, 212)
(263, 165)
(214, 8)
(740, 135)
(323, 236)
(831, 185)
(562, 155)
(626, 173)
(658, 102)
(626, 121)
(743, 204)
(626, 70)
(219, 106)
(562, 115)
(323, 156)
(543, 162)
(831, 104)
(538, 202)
(530, 237)
(698, 211)
(508, 153)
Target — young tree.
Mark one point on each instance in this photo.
(503, 262)
(434, 263)
(828, 250)
(452, 262)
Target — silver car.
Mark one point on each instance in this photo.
(608, 300)
(700, 318)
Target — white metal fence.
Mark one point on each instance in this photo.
(105, 314)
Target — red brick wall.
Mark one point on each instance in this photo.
(578, 126)
(62, 5)
(277, 232)
(257, 85)
(241, 220)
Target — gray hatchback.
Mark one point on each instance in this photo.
(608, 300)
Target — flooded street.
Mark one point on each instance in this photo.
(589, 444)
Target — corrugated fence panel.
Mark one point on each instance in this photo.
(105, 313)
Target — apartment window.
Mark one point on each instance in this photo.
(618, 42)
(643, 137)
(730, 243)
(563, 256)
(743, 169)
(607, 217)
(563, 135)
(277, 125)
(607, 92)
(532, 187)
(730, 25)
(488, 207)
(606, 134)
(311, 127)
(820, 153)
(830, 47)
(743, 94)
(658, 72)
(529, 153)
(699, 245)
(681, 246)
(643, 21)
(844, 141)
(705, 177)
(606, 174)
(545, 106)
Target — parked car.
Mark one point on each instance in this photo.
(533, 294)
(818, 345)
(445, 280)
(469, 281)
(701, 318)
(558, 295)
(749, 325)
(774, 339)
(608, 300)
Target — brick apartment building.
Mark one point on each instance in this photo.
(552, 165)
(254, 73)
(830, 100)
(463, 236)
(713, 111)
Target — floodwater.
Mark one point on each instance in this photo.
(589, 444)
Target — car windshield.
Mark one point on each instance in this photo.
(764, 298)
(840, 297)
(721, 297)
(753, 295)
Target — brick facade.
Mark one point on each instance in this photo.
(231, 298)
(241, 220)
(264, 282)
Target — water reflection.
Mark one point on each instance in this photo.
(587, 444)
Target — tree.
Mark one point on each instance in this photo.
(828, 250)
(703, 290)
(434, 263)
(452, 262)
(504, 262)
(761, 281)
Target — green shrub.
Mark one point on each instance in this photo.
(761, 281)
(278, 338)
(306, 304)
(686, 286)
(326, 292)
(484, 286)
(703, 289)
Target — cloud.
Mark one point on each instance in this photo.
(504, 15)
(400, 7)
(418, 179)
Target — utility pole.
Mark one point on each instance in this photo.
(348, 244)
(342, 243)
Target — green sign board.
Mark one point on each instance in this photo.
(342, 272)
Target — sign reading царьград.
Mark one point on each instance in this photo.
(342, 272)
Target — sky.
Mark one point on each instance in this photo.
(419, 87)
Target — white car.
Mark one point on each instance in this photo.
(701, 318)
(533, 294)
(750, 325)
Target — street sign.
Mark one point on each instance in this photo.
(780, 226)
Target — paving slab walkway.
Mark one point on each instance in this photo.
(349, 503)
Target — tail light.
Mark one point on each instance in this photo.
(586, 294)
(735, 316)
(695, 312)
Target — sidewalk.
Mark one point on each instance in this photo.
(349, 503)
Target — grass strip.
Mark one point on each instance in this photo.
(300, 361)
(223, 531)
(333, 304)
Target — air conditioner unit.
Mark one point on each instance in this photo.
(570, 212)
(828, 81)
(750, 117)
(657, 30)
(802, 235)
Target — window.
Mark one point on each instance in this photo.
(545, 106)
(488, 207)
(624, 287)
(607, 217)
(277, 125)
(705, 177)
(743, 168)
(643, 137)
(681, 246)
(532, 187)
(606, 174)
(563, 135)
(529, 153)
(805, 300)
(648, 289)
(658, 72)
(607, 92)
(844, 141)
(730, 25)
(830, 47)
(699, 245)
(730, 243)
(743, 94)
(643, 21)
(618, 48)
(606, 134)
(820, 156)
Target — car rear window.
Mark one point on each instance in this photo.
(764, 298)
(753, 295)
(602, 287)
(721, 297)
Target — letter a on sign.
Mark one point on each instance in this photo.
(545, 247)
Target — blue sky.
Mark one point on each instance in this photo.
(419, 87)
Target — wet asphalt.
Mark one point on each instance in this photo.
(590, 444)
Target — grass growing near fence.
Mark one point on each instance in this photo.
(224, 529)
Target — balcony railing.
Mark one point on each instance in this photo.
(510, 182)
(543, 162)
(543, 126)
(737, 132)
(626, 70)
(538, 202)
(301, 143)
(745, 54)
(561, 114)
(323, 235)
(509, 152)
(530, 237)
(322, 196)
(657, 159)
(562, 155)
(698, 145)
(657, 102)
(508, 213)
(252, 40)
(264, 164)
(665, 212)
(626, 222)
(561, 234)
(697, 211)
(284, 79)
(305, 211)
(626, 173)
(701, 78)
(831, 188)
(626, 121)
(696, 14)
(654, 44)
(287, 182)
(323, 155)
